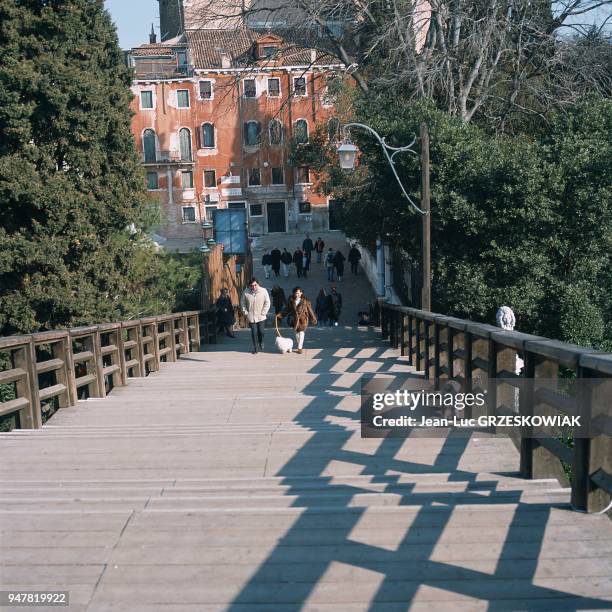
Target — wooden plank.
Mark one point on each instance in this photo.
(85, 380)
(603, 480)
(53, 391)
(9, 376)
(49, 366)
(557, 448)
(82, 356)
(13, 405)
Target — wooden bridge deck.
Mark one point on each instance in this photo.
(232, 481)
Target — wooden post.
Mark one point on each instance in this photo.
(426, 207)
(24, 357)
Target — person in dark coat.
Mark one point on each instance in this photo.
(336, 309)
(319, 248)
(322, 308)
(266, 262)
(276, 261)
(305, 264)
(299, 311)
(354, 256)
(225, 313)
(286, 260)
(298, 260)
(278, 298)
(308, 247)
(339, 264)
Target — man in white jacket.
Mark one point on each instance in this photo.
(255, 303)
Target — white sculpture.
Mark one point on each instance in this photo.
(505, 318)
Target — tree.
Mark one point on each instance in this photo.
(487, 60)
(71, 184)
(524, 221)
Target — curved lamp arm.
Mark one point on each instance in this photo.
(386, 148)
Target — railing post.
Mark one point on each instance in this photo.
(99, 363)
(526, 410)
(185, 340)
(411, 320)
(24, 357)
(450, 351)
(436, 367)
(426, 348)
(384, 323)
(62, 349)
(403, 321)
(592, 453)
(417, 345)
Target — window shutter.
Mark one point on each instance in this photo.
(199, 140)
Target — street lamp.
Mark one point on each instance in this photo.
(209, 241)
(347, 153)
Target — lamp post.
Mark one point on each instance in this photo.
(209, 241)
(347, 153)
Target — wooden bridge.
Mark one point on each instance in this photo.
(230, 481)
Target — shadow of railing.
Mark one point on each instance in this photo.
(503, 575)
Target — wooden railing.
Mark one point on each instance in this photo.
(60, 367)
(447, 348)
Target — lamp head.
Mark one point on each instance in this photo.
(347, 154)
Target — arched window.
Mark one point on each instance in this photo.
(276, 132)
(148, 144)
(301, 131)
(333, 129)
(208, 135)
(252, 133)
(185, 144)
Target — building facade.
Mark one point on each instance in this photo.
(216, 115)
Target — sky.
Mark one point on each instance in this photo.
(133, 19)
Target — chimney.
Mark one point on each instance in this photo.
(313, 56)
(152, 36)
(226, 61)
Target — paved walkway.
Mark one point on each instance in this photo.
(232, 481)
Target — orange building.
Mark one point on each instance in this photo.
(215, 114)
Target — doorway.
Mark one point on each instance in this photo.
(277, 221)
(334, 221)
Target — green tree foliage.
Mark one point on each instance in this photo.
(70, 178)
(524, 221)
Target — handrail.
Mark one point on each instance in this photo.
(62, 366)
(448, 348)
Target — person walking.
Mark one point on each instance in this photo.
(299, 311)
(276, 261)
(322, 308)
(339, 264)
(255, 304)
(278, 298)
(298, 260)
(308, 247)
(329, 264)
(305, 265)
(266, 262)
(286, 260)
(354, 256)
(225, 313)
(319, 248)
(336, 305)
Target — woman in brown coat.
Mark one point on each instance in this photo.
(300, 313)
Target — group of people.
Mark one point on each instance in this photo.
(255, 301)
(255, 304)
(275, 261)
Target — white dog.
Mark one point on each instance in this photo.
(283, 345)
